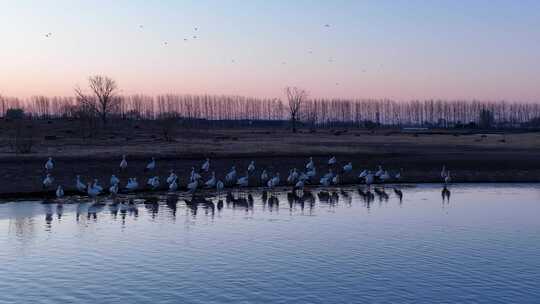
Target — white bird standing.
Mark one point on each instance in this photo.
(447, 178)
(48, 181)
(369, 178)
(299, 184)
(363, 174)
(113, 189)
(336, 180)
(173, 185)
(151, 165)
(206, 165)
(310, 165)
(274, 181)
(97, 186)
(443, 172)
(123, 163)
(132, 184)
(91, 191)
(194, 175)
(59, 191)
(329, 175)
(172, 176)
(311, 173)
(379, 172)
(251, 167)
(153, 182)
(332, 161)
(80, 185)
(211, 183)
(49, 165)
(264, 176)
(193, 186)
(243, 181)
(303, 177)
(347, 168)
(114, 180)
(325, 181)
(385, 176)
(398, 175)
(219, 186)
(231, 176)
(293, 176)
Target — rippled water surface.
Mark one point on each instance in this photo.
(481, 246)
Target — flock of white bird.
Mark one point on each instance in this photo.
(297, 179)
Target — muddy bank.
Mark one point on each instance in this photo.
(23, 175)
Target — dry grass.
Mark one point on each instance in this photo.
(59, 138)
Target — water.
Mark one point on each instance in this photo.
(483, 246)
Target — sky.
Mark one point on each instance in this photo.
(402, 50)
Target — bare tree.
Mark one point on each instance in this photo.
(296, 97)
(104, 100)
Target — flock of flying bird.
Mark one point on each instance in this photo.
(296, 178)
(195, 37)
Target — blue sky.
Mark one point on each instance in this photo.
(372, 49)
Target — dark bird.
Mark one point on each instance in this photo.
(327, 25)
(165, 43)
(185, 39)
(48, 35)
(196, 28)
(194, 37)
(141, 26)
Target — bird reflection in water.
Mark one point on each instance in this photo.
(48, 215)
(196, 201)
(298, 202)
(399, 194)
(445, 194)
(152, 206)
(171, 201)
(367, 196)
(94, 209)
(113, 208)
(381, 194)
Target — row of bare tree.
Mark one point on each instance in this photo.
(103, 102)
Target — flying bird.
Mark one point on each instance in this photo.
(327, 25)
(48, 35)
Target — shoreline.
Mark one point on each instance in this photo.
(510, 158)
(48, 195)
(416, 169)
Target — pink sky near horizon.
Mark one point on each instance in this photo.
(402, 50)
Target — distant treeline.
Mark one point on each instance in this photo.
(313, 112)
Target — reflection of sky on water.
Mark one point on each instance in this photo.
(480, 246)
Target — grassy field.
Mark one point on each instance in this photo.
(471, 157)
